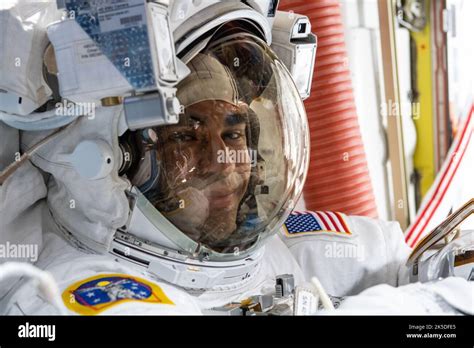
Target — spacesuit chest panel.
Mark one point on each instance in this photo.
(277, 260)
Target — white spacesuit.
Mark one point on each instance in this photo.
(142, 204)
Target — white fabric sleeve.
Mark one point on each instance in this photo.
(452, 295)
(397, 251)
(374, 253)
(20, 209)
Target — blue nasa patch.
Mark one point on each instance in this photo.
(113, 288)
(95, 294)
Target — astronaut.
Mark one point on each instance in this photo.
(153, 207)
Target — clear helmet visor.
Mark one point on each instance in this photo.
(228, 174)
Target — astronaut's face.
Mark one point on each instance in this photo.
(207, 167)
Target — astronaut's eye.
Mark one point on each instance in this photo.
(235, 135)
(182, 136)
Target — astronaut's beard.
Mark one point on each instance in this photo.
(218, 228)
(206, 211)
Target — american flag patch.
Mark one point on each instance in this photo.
(310, 222)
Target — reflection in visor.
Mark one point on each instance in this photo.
(226, 172)
(207, 166)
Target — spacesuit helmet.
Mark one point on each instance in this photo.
(198, 187)
(229, 172)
